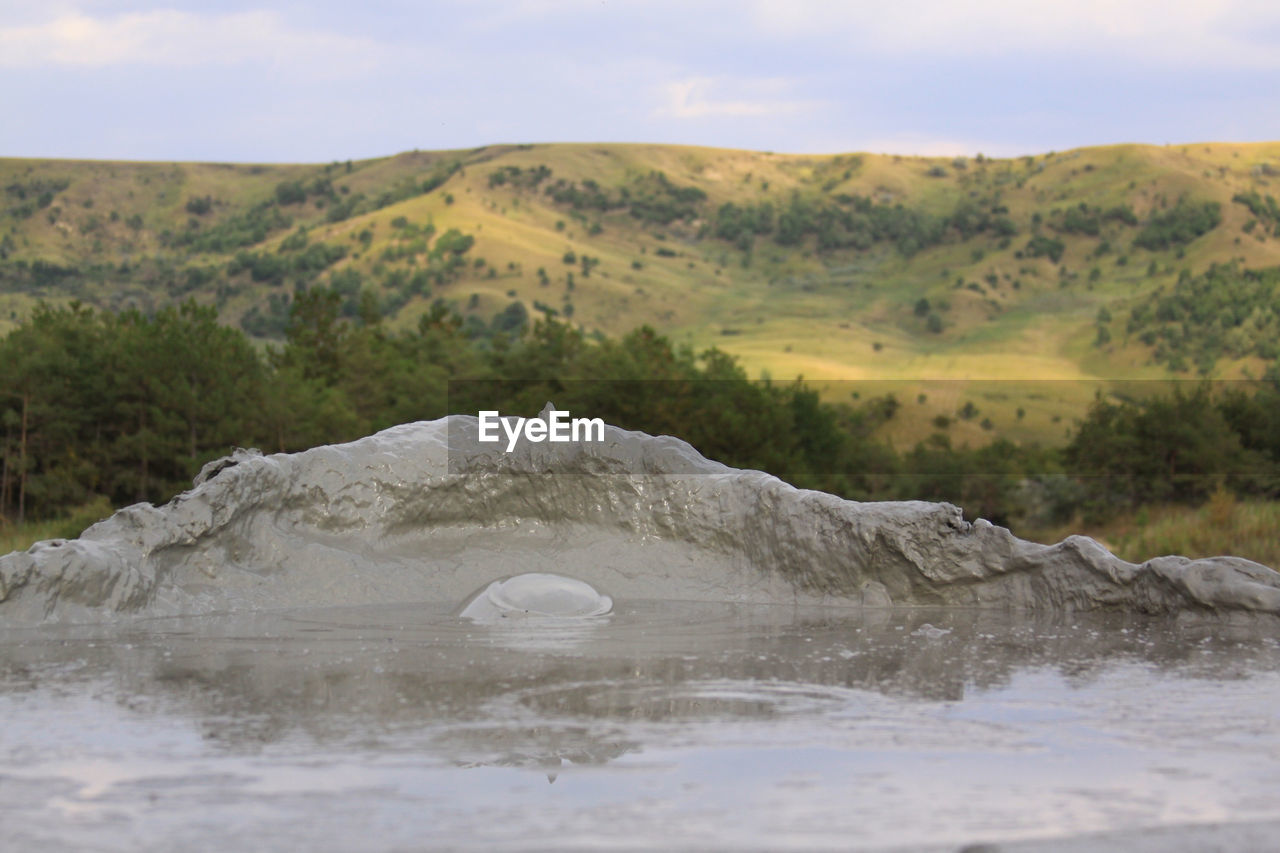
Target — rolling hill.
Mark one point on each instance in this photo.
(1013, 285)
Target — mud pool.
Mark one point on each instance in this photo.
(278, 659)
(662, 724)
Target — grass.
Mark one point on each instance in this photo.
(20, 537)
(788, 312)
(1223, 526)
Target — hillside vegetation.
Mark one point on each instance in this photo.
(1223, 525)
(915, 277)
(101, 409)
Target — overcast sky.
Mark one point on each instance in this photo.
(267, 80)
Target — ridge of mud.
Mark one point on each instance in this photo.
(424, 512)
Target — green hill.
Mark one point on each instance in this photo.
(925, 273)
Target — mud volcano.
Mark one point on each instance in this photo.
(417, 640)
(424, 512)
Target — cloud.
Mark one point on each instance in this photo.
(492, 15)
(174, 39)
(924, 145)
(1196, 33)
(706, 97)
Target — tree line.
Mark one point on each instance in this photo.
(128, 406)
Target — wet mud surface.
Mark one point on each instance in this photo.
(662, 724)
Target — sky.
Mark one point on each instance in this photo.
(274, 81)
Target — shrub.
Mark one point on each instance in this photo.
(453, 242)
(1179, 225)
(1223, 311)
(1042, 246)
(290, 192)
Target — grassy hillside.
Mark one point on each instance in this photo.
(942, 281)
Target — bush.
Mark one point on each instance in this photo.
(1263, 208)
(453, 242)
(1179, 225)
(243, 229)
(1225, 311)
(438, 177)
(1173, 448)
(1121, 213)
(1042, 246)
(511, 320)
(290, 192)
(518, 177)
(1081, 220)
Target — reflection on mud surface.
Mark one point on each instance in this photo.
(697, 724)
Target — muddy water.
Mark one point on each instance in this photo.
(661, 725)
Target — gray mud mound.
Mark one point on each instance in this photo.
(424, 512)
